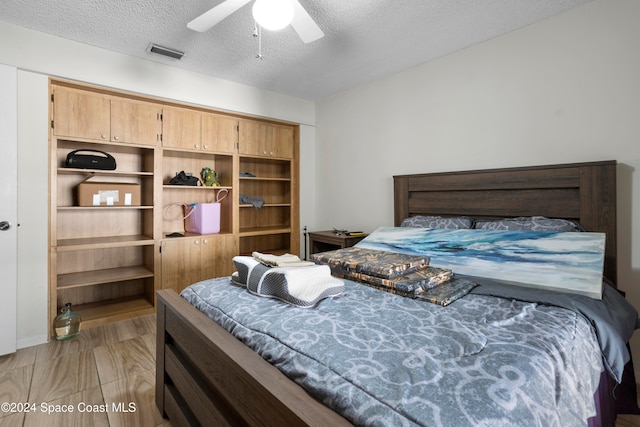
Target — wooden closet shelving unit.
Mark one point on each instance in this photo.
(109, 261)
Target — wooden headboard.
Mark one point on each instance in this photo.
(582, 192)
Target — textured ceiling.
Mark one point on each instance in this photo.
(364, 39)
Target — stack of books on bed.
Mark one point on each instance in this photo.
(401, 274)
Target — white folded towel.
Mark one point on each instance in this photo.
(286, 260)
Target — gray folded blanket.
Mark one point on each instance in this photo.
(256, 201)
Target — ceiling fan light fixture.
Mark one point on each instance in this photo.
(273, 14)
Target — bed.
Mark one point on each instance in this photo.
(205, 376)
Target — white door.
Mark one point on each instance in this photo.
(8, 207)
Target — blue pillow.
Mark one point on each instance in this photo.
(419, 221)
(530, 223)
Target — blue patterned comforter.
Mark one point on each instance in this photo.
(384, 360)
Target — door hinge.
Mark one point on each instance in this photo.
(52, 124)
(51, 97)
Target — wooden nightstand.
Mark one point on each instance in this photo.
(323, 241)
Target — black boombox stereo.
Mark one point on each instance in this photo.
(90, 161)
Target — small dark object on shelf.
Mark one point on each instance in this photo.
(90, 161)
(182, 178)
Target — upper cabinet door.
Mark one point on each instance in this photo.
(281, 144)
(219, 133)
(80, 114)
(92, 116)
(135, 122)
(265, 140)
(181, 128)
(251, 138)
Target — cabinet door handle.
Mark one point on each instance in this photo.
(205, 241)
(196, 146)
(206, 147)
(195, 242)
(103, 136)
(115, 138)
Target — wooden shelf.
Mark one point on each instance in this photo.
(190, 235)
(99, 172)
(193, 187)
(263, 178)
(98, 313)
(103, 242)
(102, 208)
(97, 277)
(266, 168)
(126, 146)
(260, 231)
(268, 205)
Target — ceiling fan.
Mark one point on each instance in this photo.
(292, 12)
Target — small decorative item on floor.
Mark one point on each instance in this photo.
(210, 177)
(67, 325)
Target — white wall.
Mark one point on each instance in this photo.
(308, 181)
(55, 56)
(33, 208)
(561, 91)
(38, 56)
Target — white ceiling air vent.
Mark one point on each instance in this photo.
(165, 51)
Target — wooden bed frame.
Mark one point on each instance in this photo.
(582, 192)
(204, 376)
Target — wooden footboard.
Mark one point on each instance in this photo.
(204, 376)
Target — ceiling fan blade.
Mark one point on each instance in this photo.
(304, 24)
(210, 18)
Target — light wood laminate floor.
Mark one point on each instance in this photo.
(106, 376)
(625, 420)
(110, 368)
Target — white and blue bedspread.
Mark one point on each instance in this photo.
(386, 360)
